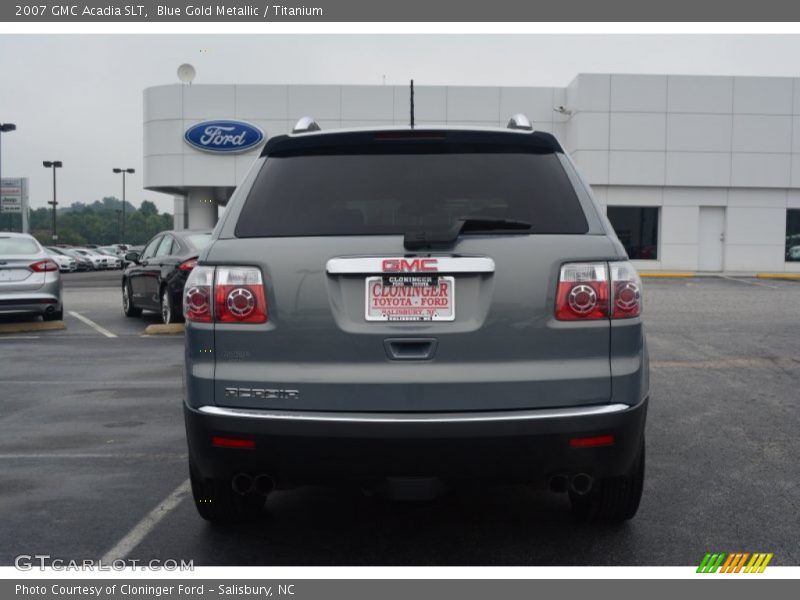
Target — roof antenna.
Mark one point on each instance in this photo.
(412, 104)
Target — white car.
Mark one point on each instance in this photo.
(66, 264)
(99, 261)
(114, 253)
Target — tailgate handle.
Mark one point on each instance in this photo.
(410, 348)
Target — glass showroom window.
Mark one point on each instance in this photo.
(637, 229)
(793, 235)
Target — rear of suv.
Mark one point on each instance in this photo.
(405, 305)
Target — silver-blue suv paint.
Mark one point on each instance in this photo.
(404, 304)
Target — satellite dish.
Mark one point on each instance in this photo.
(186, 73)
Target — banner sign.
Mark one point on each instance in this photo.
(13, 192)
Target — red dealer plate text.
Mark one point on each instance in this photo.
(410, 298)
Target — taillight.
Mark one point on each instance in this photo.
(582, 292)
(626, 289)
(197, 295)
(239, 294)
(44, 266)
(188, 265)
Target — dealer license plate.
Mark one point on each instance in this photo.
(410, 298)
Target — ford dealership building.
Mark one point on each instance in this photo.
(695, 173)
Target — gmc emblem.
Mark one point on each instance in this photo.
(400, 265)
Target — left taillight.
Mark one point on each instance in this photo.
(225, 294)
(44, 266)
(198, 294)
(239, 294)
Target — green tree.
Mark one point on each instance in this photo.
(99, 222)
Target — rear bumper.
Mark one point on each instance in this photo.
(29, 303)
(305, 447)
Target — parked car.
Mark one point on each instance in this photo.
(30, 280)
(83, 262)
(99, 261)
(114, 253)
(155, 278)
(66, 264)
(401, 306)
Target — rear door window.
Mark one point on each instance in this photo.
(165, 247)
(150, 250)
(384, 193)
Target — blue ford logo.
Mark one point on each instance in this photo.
(223, 136)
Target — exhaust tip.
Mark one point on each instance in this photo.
(558, 484)
(263, 484)
(581, 483)
(242, 483)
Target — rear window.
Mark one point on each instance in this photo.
(17, 246)
(381, 194)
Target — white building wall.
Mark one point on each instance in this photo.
(685, 142)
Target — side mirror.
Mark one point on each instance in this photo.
(132, 257)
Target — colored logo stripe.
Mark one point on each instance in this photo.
(734, 562)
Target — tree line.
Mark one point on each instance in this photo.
(97, 223)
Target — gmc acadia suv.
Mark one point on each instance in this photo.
(404, 305)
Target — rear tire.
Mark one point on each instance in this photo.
(613, 499)
(168, 313)
(217, 503)
(54, 316)
(127, 302)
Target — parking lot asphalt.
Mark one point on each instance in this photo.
(92, 441)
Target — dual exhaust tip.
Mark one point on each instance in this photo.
(580, 483)
(244, 483)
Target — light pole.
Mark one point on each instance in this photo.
(123, 171)
(53, 164)
(5, 128)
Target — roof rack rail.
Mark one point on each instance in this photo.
(305, 125)
(520, 121)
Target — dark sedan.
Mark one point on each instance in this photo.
(154, 279)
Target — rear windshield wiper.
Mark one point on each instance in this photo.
(414, 240)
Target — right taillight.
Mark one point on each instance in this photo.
(197, 295)
(582, 292)
(626, 291)
(597, 290)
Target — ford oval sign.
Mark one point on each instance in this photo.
(225, 137)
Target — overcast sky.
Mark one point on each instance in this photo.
(78, 98)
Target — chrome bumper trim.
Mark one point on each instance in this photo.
(510, 415)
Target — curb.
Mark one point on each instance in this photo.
(784, 276)
(31, 326)
(159, 329)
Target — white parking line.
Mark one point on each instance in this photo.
(756, 283)
(92, 324)
(146, 525)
